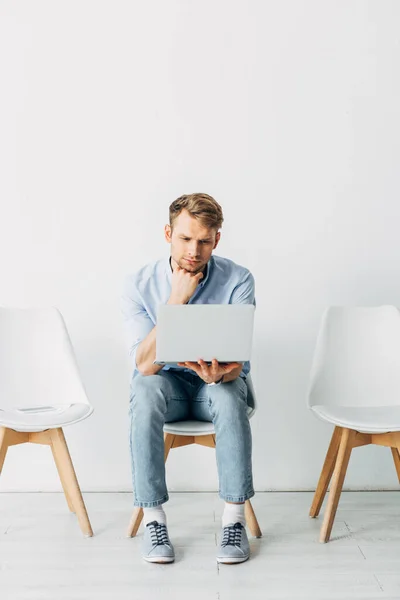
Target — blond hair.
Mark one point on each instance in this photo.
(200, 206)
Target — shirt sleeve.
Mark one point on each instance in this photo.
(244, 293)
(137, 321)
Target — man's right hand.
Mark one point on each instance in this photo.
(183, 286)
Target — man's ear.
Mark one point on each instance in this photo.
(168, 233)
(217, 238)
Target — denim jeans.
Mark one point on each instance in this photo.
(179, 395)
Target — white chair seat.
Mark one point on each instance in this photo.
(195, 427)
(373, 419)
(45, 417)
(189, 428)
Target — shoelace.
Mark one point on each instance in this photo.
(232, 535)
(158, 533)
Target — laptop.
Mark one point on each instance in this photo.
(191, 331)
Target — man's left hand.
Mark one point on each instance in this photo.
(210, 373)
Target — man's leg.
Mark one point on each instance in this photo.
(155, 399)
(226, 406)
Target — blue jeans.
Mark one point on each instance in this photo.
(176, 396)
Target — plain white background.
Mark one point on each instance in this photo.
(286, 112)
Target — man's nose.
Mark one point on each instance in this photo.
(194, 248)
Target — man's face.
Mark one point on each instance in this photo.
(191, 243)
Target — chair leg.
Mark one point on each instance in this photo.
(326, 473)
(68, 479)
(396, 458)
(168, 443)
(135, 521)
(62, 478)
(137, 514)
(339, 474)
(251, 520)
(3, 446)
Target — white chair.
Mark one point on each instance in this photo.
(355, 385)
(184, 433)
(41, 391)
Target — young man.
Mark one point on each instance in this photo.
(216, 393)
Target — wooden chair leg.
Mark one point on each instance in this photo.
(137, 514)
(339, 474)
(135, 521)
(396, 458)
(62, 479)
(3, 446)
(326, 473)
(44, 437)
(168, 443)
(251, 520)
(68, 479)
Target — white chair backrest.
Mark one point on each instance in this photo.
(37, 361)
(357, 358)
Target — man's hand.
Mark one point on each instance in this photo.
(183, 285)
(210, 373)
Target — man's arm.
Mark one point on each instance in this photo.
(140, 328)
(183, 287)
(146, 355)
(141, 332)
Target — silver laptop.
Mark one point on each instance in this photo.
(191, 331)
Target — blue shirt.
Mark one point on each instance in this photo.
(225, 282)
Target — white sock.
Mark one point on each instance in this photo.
(233, 513)
(156, 513)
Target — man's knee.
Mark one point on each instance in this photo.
(145, 390)
(229, 399)
(148, 382)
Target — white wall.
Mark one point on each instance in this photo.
(285, 111)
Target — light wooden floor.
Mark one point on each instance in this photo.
(43, 554)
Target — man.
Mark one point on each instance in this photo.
(217, 393)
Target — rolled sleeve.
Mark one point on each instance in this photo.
(137, 322)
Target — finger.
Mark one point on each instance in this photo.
(230, 367)
(215, 367)
(203, 365)
(224, 364)
(205, 369)
(193, 366)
